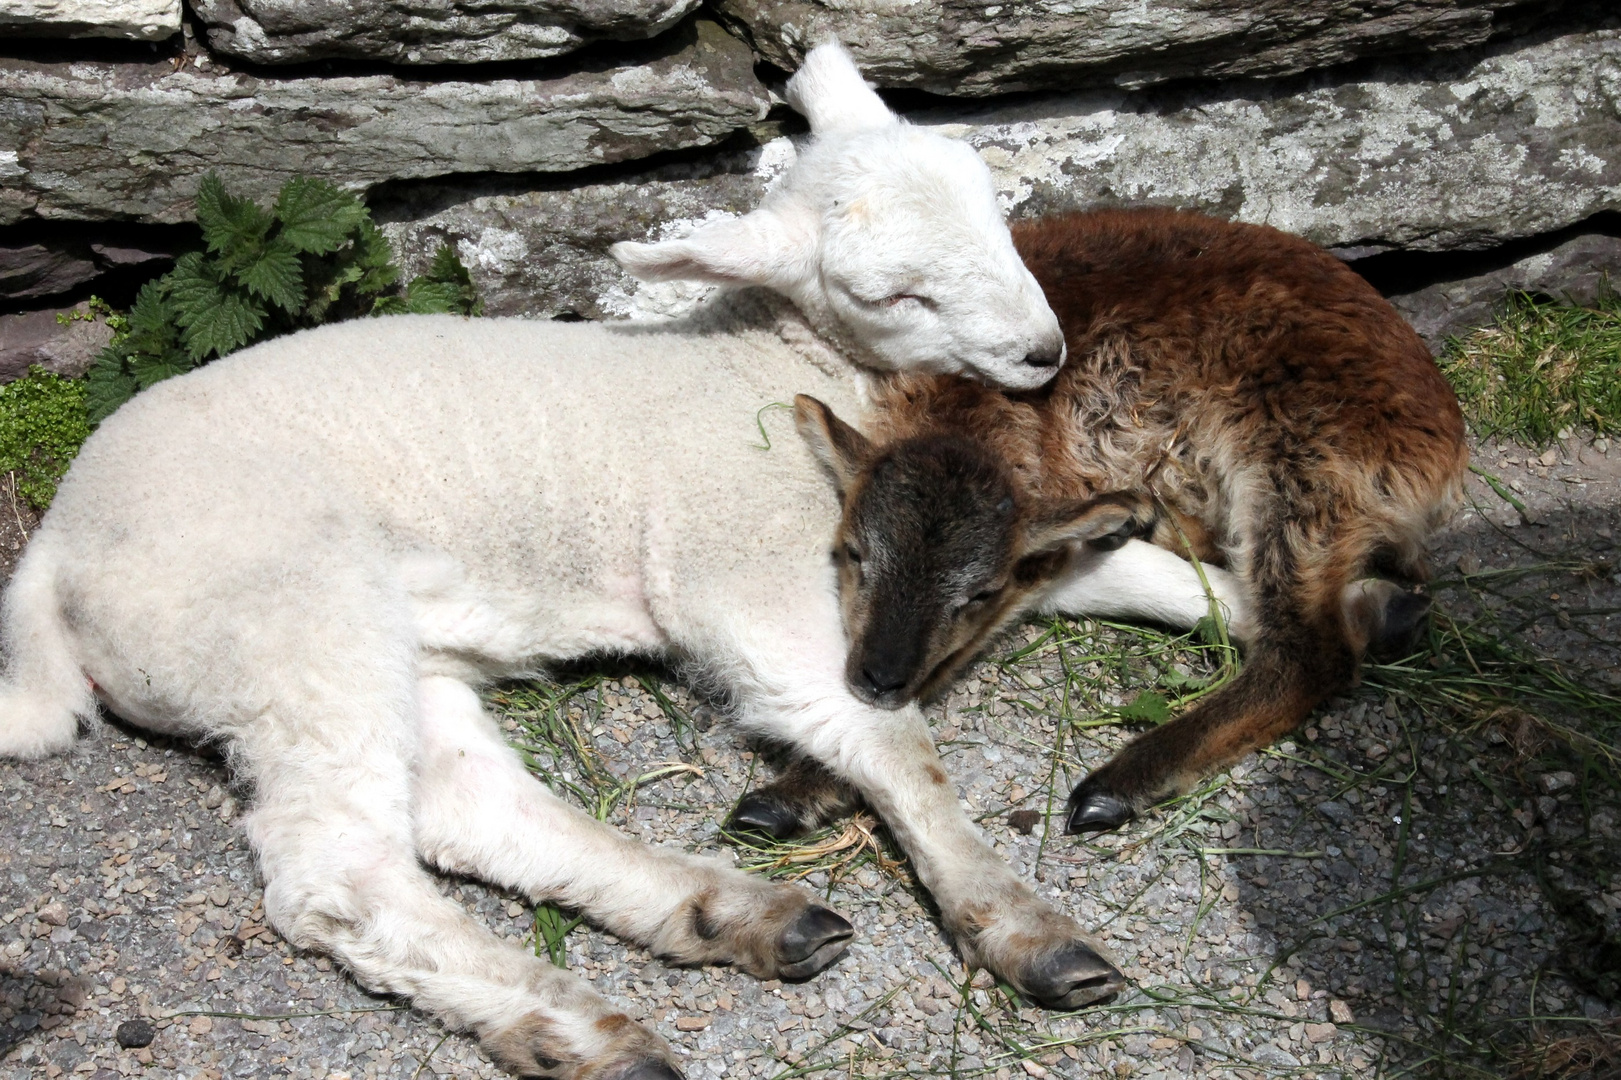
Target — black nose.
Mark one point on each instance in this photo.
(883, 679)
(1044, 358)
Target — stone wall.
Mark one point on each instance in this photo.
(1450, 148)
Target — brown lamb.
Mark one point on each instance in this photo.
(1280, 415)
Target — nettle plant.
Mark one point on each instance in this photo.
(313, 257)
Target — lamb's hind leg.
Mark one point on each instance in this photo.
(480, 812)
(332, 829)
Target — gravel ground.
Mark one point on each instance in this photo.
(1339, 906)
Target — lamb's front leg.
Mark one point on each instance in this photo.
(479, 812)
(797, 695)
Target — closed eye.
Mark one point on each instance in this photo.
(893, 299)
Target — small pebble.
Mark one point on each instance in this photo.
(1024, 822)
(134, 1034)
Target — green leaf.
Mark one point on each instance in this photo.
(328, 289)
(317, 217)
(551, 928)
(447, 267)
(233, 228)
(194, 286)
(389, 305)
(107, 386)
(1147, 706)
(375, 259)
(446, 287)
(277, 275)
(1175, 680)
(432, 298)
(222, 327)
(148, 371)
(153, 312)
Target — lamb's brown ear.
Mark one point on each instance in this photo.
(1102, 518)
(837, 445)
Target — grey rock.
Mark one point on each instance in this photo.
(1578, 269)
(425, 31)
(974, 49)
(543, 251)
(52, 265)
(1453, 152)
(28, 270)
(142, 20)
(1337, 812)
(104, 140)
(38, 338)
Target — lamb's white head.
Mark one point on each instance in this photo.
(889, 239)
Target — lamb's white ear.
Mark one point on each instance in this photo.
(832, 95)
(768, 247)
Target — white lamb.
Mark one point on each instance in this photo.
(311, 552)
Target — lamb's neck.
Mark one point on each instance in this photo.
(761, 309)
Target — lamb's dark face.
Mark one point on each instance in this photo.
(936, 552)
(925, 553)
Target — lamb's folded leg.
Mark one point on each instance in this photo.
(333, 837)
(788, 681)
(803, 797)
(1143, 582)
(479, 812)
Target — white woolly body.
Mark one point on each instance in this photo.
(497, 493)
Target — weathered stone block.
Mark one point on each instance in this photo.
(47, 266)
(38, 338)
(957, 47)
(1454, 152)
(427, 31)
(545, 252)
(142, 20)
(28, 270)
(1578, 269)
(102, 140)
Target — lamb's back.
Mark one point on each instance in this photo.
(534, 451)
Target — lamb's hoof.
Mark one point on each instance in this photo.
(1095, 811)
(1072, 977)
(649, 1069)
(813, 941)
(1406, 616)
(768, 817)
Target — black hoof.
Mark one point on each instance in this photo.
(1095, 811)
(1072, 977)
(650, 1069)
(1405, 618)
(768, 817)
(813, 941)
